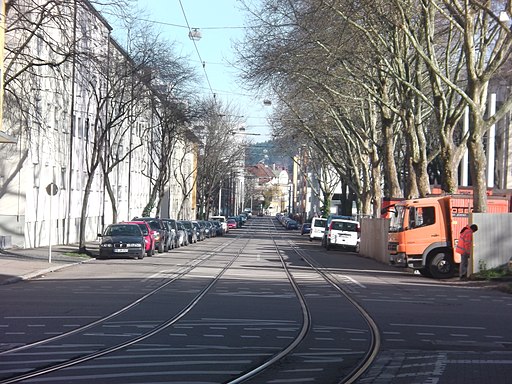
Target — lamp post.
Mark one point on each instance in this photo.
(290, 198)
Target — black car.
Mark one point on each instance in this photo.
(122, 240)
(162, 236)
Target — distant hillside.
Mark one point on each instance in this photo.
(266, 152)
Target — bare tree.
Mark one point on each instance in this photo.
(485, 46)
(220, 153)
(170, 79)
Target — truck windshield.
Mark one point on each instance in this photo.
(397, 218)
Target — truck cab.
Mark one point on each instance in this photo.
(420, 236)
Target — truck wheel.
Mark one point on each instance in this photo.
(441, 266)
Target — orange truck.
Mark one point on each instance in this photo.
(423, 232)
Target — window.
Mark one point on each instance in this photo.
(63, 178)
(421, 216)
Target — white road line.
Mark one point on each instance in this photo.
(434, 326)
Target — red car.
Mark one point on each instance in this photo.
(149, 235)
(231, 224)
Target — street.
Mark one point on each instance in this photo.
(259, 305)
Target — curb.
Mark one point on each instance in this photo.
(41, 272)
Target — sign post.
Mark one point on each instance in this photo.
(52, 190)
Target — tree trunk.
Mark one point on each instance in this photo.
(477, 166)
(366, 203)
(391, 183)
(376, 184)
(110, 192)
(449, 164)
(83, 216)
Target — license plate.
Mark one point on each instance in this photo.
(121, 250)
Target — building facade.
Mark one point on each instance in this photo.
(83, 154)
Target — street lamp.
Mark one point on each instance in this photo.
(195, 34)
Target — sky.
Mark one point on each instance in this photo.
(220, 23)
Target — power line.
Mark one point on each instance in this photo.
(187, 27)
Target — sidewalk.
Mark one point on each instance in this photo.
(18, 264)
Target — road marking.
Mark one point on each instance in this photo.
(434, 326)
(500, 362)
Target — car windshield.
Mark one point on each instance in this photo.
(397, 218)
(123, 230)
(187, 224)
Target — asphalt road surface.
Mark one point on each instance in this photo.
(259, 305)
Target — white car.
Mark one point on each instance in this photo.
(317, 228)
(343, 233)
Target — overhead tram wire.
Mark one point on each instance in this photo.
(197, 51)
(200, 59)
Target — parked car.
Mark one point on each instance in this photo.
(209, 230)
(172, 227)
(237, 221)
(206, 226)
(161, 234)
(329, 218)
(222, 220)
(305, 229)
(199, 227)
(182, 234)
(232, 224)
(191, 233)
(148, 233)
(343, 233)
(217, 227)
(317, 228)
(292, 224)
(122, 240)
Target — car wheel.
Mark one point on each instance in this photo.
(160, 248)
(141, 256)
(151, 251)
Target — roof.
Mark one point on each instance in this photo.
(261, 171)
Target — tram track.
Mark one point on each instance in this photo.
(37, 371)
(371, 353)
(303, 280)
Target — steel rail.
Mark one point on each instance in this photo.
(114, 348)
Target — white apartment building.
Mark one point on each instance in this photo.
(58, 114)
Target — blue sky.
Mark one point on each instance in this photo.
(220, 23)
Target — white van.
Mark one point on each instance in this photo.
(317, 228)
(343, 233)
(223, 222)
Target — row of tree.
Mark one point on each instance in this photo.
(379, 88)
